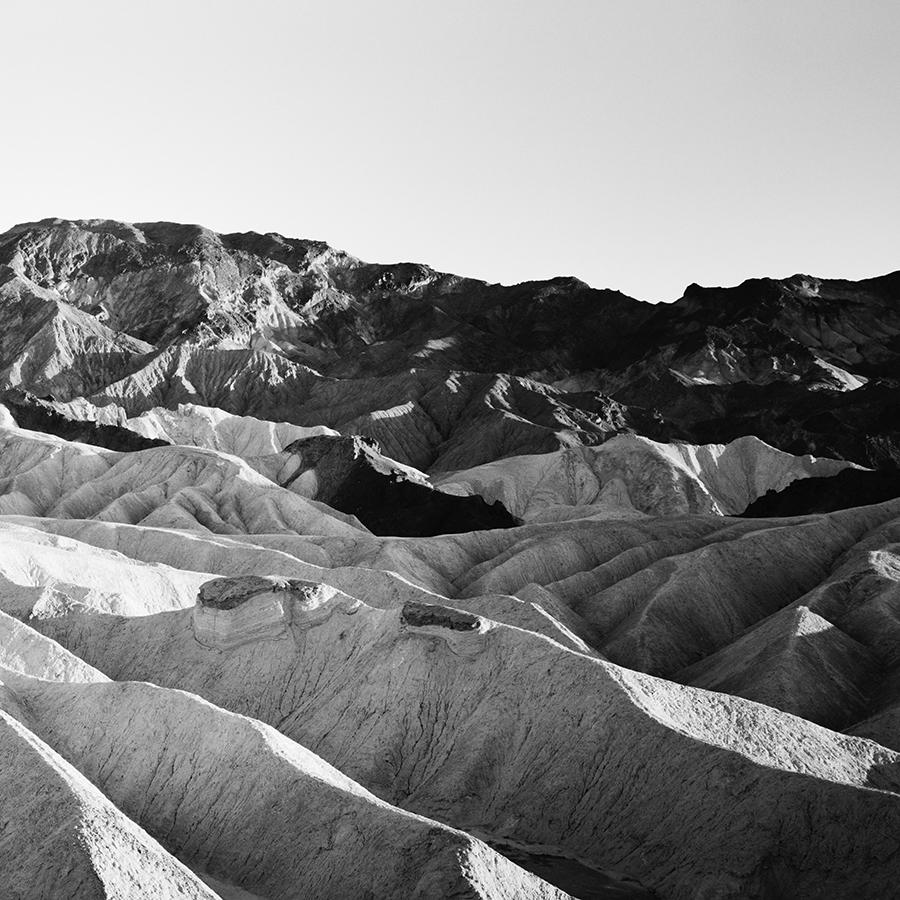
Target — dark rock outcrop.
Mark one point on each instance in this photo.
(423, 615)
(852, 487)
(40, 415)
(229, 593)
(351, 476)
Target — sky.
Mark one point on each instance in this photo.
(635, 144)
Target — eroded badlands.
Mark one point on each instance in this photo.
(325, 579)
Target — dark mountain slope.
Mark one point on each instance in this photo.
(351, 475)
(806, 364)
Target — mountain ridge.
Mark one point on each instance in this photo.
(794, 361)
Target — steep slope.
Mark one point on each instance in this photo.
(189, 487)
(60, 837)
(683, 607)
(656, 594)
(320, 306)
(46, 573)
(806, 320)
(50, 417)
(290, 825)
(205, 426)
(43, 573)
(169, 760)
(809, 365)
(822, 542)
(27, 652)
(51, 347)
(428, 418)
(630, 692)
(851, 487)
(796, 661)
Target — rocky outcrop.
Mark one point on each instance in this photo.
(423, 615)
(223, 622)
(231, 612)
(40, 415)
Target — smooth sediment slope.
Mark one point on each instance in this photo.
(238, 800)
(94, 768)
(632, 473)
(173, 487)
(61, 837)
(457, 717)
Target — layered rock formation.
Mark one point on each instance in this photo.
(231, 612)
(175, 487)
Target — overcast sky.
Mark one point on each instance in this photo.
(635, 144)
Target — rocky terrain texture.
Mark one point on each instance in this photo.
(633, 474)
(320, 578)
(158, 314)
